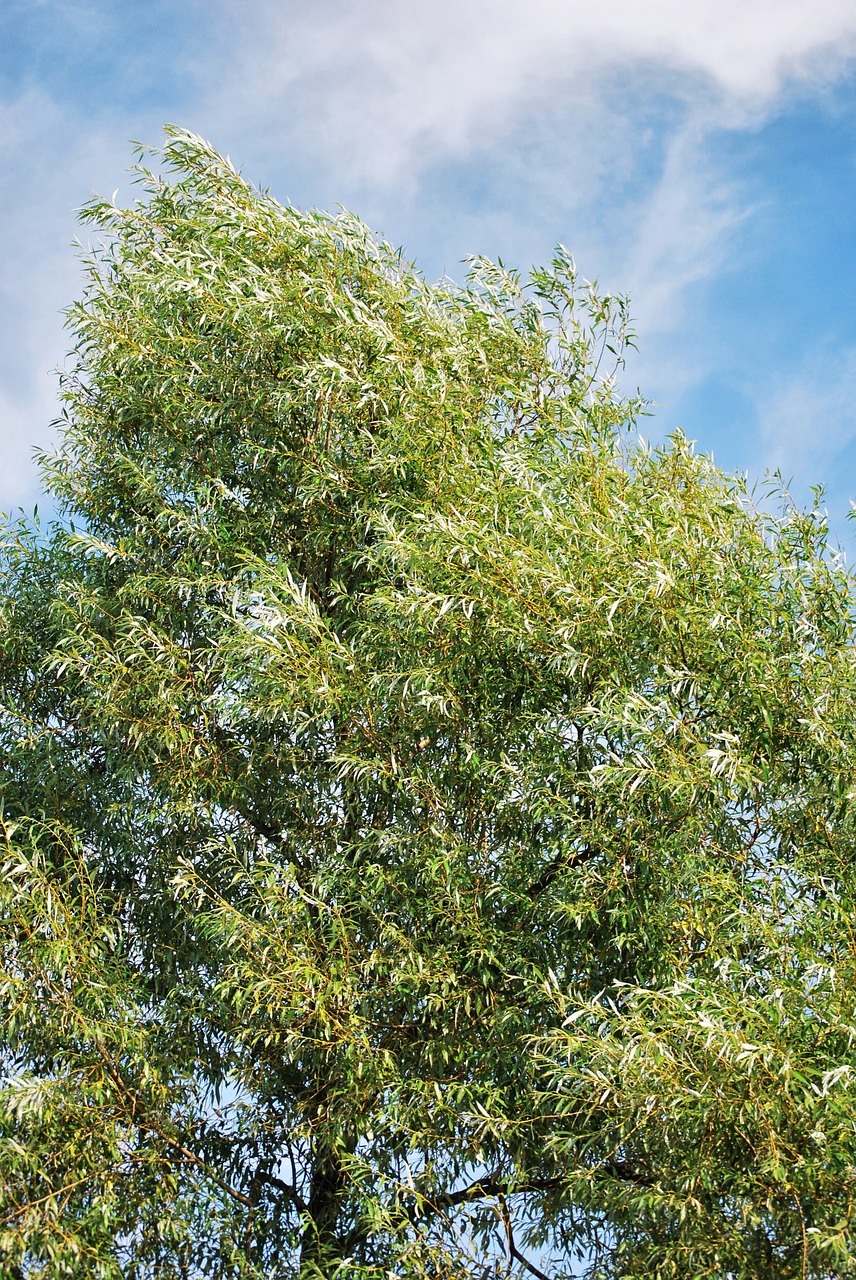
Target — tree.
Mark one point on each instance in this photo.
(428, 810)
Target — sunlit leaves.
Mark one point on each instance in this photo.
(434, 846)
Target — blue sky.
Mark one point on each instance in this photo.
(699, 155)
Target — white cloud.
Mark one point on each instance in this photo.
(36, 405)
(384, 88)
(54, 168)
(809, 419)
(684, 233)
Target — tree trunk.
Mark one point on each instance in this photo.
(320, 1241)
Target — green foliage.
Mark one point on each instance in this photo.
(429, 844)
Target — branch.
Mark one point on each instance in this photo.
(141, 1117)
(514, 1253)
(285, 1187)
(199, 1162)
(484, 1189)
(621, 1169)
(269, 833)
(559, 862)
(495, 1189)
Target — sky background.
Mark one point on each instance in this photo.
(699, 156)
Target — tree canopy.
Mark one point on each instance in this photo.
(428, 811)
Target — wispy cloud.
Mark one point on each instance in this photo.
(809, 419)
(383, 89)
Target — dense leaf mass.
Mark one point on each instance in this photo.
(429, 844)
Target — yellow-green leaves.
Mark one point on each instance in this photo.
(434, 847)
